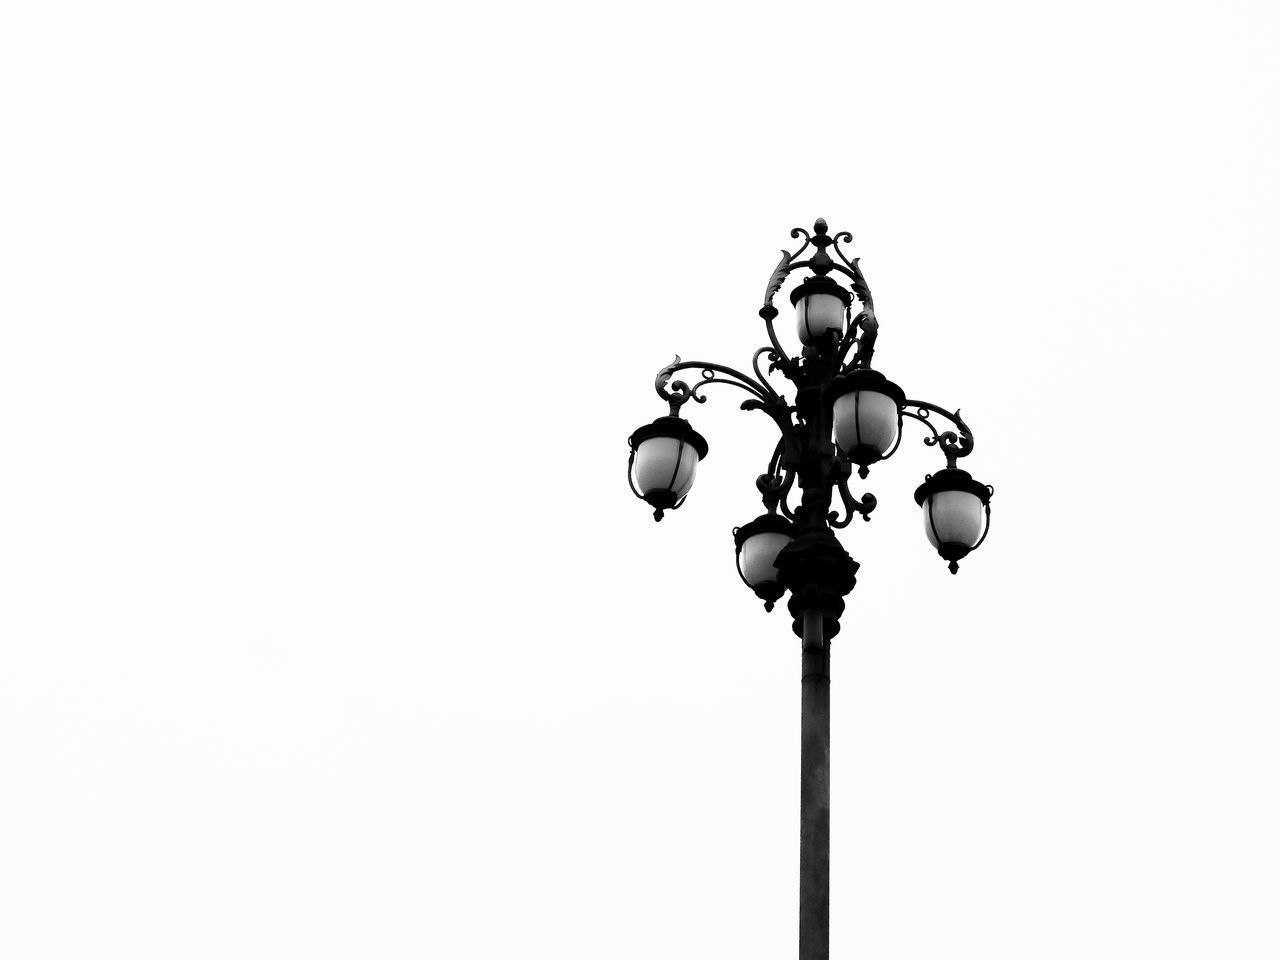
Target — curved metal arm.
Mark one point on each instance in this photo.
(866, 320)
(847, 342)
(862, 331)
(768, 311)
(870, 329)
(775, 362)
(822, 264)
(953, 445)
(709, 377)
(680, 392)
(775, 461)
(784, 267)
(788, 365)
(853, 271)
(763, 396)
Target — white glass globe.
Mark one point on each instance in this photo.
(758, 556)
(953, 517)
(816, 314)
(665, 463)
(866, 418)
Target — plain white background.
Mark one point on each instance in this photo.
(329, 625)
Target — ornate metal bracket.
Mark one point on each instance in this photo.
(763, 396)
(851, 505)
(953, 445)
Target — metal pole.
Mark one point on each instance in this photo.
(815, 791)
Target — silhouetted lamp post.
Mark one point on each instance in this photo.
(844, 416)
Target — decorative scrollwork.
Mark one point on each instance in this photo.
(870, 328)
(679, 393)
(851, 506)
(851, 266)
(784, 267)
(859, 284)
(953, 444)
(849, 339)
(775, 363)
(709, 376)
(775, 282)
(786, 364)
(947, 438)
(708, 372)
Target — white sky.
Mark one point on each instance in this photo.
(330, 627)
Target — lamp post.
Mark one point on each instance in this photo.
(844, 416)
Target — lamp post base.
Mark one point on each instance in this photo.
(815, 790)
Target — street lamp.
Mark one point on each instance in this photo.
(844, 416)
(664, 460)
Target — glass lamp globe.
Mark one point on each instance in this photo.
(820, 305)
(957, 513)
(758, 544)
(866, 416)
(664, 460)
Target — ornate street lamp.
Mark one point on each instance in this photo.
(664, 460)
(844, 415)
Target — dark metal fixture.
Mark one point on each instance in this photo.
(844, 416)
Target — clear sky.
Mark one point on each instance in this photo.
(329, 627)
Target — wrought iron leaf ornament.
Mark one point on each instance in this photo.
(859, 283)
(664, 375)
(679, 393)
(870, 329)
(788, 263)
(775, 281)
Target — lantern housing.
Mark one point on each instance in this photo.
(664, 459)
(758, 544)
(957, 513)
(866, 414)
(820, 304)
